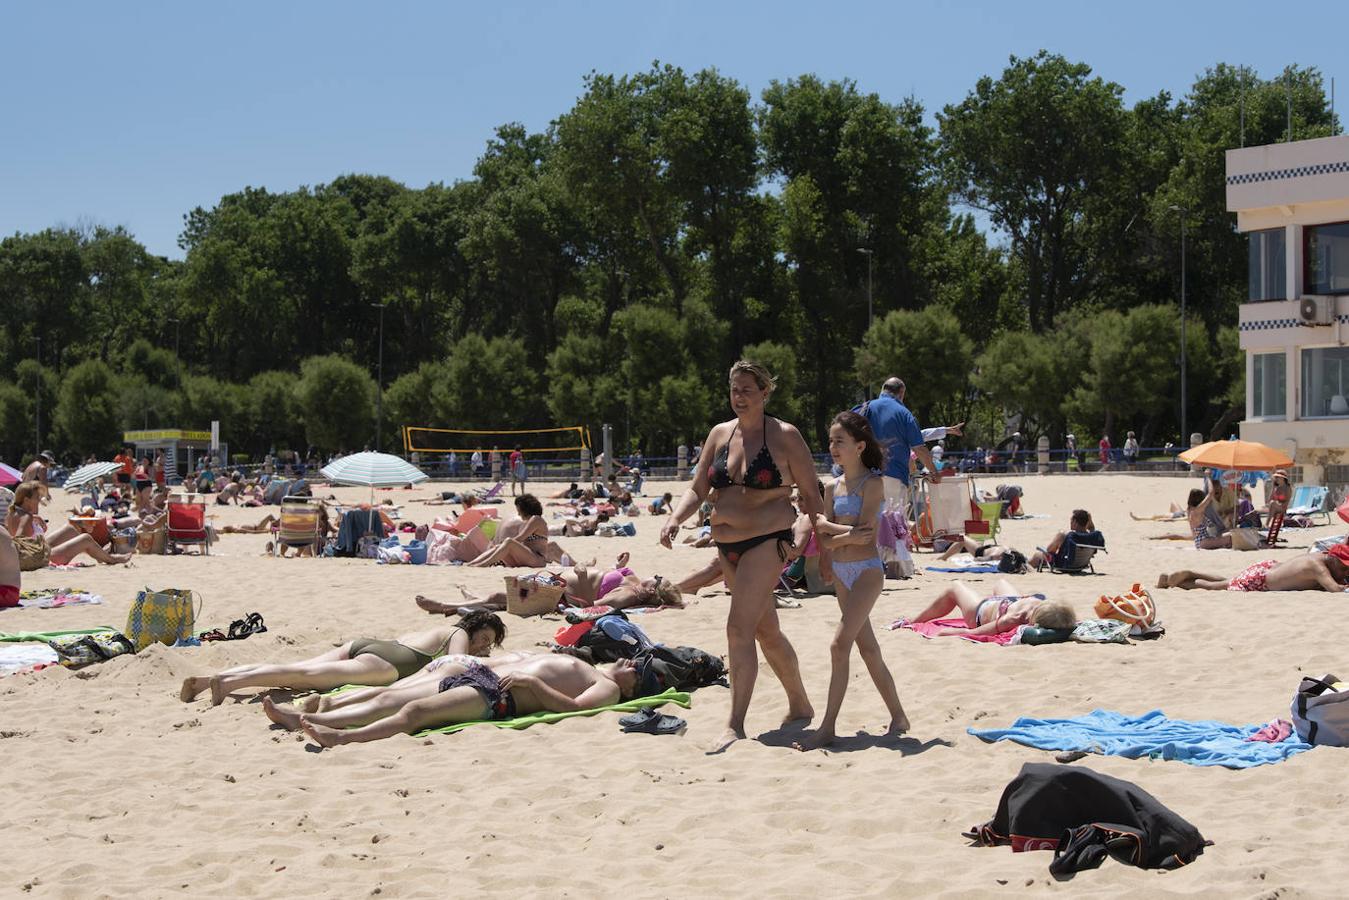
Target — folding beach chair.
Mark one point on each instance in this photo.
(987, 521)
(490, 495)
(1275, 524)
(187, 523)
(1310, 500)
(1072, 559)
(298, 523)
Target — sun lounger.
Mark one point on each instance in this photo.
(1310, 500)
(298, 524)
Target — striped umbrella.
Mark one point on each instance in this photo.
(9, 475)
(373, 470)
(90, 472)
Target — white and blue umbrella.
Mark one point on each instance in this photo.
(373, 470)
(90, 472)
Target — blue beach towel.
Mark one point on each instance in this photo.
(1151, 735)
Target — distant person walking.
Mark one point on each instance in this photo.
(897, 430)
(1131, 451)
(1104, 447)
(519, 476)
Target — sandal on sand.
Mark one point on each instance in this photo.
(648, 721)
(215, 634)
(246, 627)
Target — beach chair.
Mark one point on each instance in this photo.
(490, 494)
(186, 523)
(1310, 500)
(987, 522)
(298, 523)
(1072, 559)
(1275, 524)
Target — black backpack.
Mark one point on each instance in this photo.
(681, 668)
(1012, 562)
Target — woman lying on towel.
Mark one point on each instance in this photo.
(1003, 610)
(362, 661)
(468, 691)
(618, 588)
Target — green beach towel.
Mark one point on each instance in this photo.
(44, 636)
(671, 696)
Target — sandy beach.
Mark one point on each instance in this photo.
(119, 788)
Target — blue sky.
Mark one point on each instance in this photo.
(133, 113)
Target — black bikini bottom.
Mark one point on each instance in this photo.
(733, 550)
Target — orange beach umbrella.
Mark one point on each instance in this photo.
(1243, 456)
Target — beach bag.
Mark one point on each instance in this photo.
(682, 668)
(77, 651)
(165, 616)
(1013, 562)
(33, 553)
(533, 595)
(1136, 608)
(1320, 712)
(151, 540)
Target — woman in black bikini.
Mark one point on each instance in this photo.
(363, 661)
(752, 518)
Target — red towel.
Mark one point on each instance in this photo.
(929, 629)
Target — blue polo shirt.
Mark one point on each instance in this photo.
(898, 432)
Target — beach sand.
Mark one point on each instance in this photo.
(115, 787)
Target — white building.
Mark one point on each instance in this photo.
(1293, 201)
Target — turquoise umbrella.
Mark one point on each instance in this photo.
(373, 470)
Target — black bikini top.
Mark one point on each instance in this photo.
(761, 473)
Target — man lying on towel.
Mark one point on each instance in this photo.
(1311, 572)
(469, 690)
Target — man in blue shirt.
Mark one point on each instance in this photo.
(899, 434)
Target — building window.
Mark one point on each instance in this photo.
(1324, 370)
(1328, 259)
(1269, 400)
(1267, 280)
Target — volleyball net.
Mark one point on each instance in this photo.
(541, 443)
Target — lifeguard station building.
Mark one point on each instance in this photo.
(1292, 201)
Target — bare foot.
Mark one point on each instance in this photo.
(898, 726)
(119, 559)
(321, 734)
(726, 740)
(820, 737)
(288, 719)
(622, 559)
(217, 691)
(434, 606)
(314, 703)
(798, 715)
(1161, 581)
(192, 687)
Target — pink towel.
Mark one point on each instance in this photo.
(929, 630)
(1274, 732)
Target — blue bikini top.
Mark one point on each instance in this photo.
(849, 504)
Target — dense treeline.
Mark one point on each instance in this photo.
(610, 268)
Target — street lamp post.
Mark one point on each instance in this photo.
(1184, 394)
(379, 385)
(870, 255)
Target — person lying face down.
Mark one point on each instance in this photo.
(470, 691)
(1310, 572)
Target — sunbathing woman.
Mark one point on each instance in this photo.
(523, 541)
(362, 661)
(264, 526)
(1003, 610)
(986, 551)
(22, 521)
(619, 588)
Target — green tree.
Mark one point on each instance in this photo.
(15, 424)
(86, 416)
(336, 397)
(270, 417)
(1029, 150)
(780, 359)
(1032, 375)
(928, 349)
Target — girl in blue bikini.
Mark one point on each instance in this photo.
(847, 535)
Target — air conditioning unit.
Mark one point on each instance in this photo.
(1316, 310)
